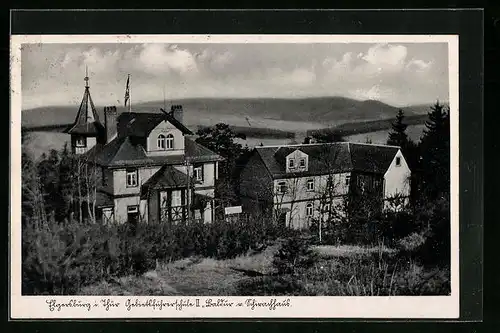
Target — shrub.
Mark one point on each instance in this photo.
(411, 242)
(60, 258)
(294, 256)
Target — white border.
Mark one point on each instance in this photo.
(403, 307)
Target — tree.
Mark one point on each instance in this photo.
(326, 136)
(398, 136)
(221, 139)
(435, 153)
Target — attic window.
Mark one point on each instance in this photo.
(398, 161)
(302, 163)
(291, 163)
(160, 142)
(170, 141)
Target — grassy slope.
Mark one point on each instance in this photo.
(342, 270)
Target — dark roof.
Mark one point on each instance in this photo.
(167, 177)
(87, 129)
(87, 120)
(104, 200)
(329, 157)
(125, 151)
(140, 124)
(372, 158)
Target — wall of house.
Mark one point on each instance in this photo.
(120, 180)
(208, 175)
(208, 213)
(397, 178)
(297, 187)
(297, 218)
(255, 181)
(165, 128)
(121, 205)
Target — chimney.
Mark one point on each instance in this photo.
(177, 113)
(110, 115)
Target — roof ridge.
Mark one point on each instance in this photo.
(302, 145)
(374, 144)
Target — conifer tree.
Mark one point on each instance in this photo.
(398, 136)
(435, 152)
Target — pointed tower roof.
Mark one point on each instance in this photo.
(87, 120)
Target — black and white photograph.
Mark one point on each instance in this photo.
(227, 168)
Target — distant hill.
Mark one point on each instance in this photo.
(283, 114)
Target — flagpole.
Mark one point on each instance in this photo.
(129, 97)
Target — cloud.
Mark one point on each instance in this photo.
(161, 59)
(418, 65)
(386, 56)
(53, 74)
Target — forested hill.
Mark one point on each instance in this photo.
(323, 111)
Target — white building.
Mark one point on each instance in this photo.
(300, 182)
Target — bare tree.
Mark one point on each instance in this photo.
(330, 187)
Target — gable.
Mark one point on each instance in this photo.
(141, 124)
(296, 161)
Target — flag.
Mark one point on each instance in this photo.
(127, 90)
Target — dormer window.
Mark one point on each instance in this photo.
(170, 141)
(302, 163)
(291, 163)
(398, 161)
(160, 143)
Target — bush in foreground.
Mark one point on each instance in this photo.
(61, 258)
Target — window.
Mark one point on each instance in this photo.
(133, 214)
(310, 184)
(132, 209)
(291, 163)
(326, 209)
(160, 143)
(132, 178)
(398, 161)
(281, 187)
(309, 210)
(81, 142)
(170, 141)
(176, 199)
(198, 172)
(302, 163)
(347, 180)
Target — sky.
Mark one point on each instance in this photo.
(397, 74)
